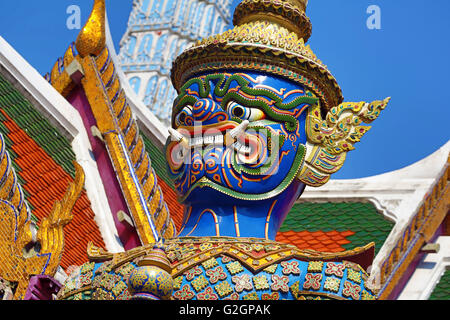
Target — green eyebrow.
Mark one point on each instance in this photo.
(222, 89)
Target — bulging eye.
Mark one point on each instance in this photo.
(184, 117)
(235, 110)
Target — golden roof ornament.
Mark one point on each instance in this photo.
(269, 36)
(92, 38)
(289, 14)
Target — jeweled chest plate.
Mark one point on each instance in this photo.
(255, 269)
(221, 268)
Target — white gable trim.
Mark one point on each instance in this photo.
(64, 116)
(428, 273)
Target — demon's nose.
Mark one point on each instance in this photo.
(207, 112)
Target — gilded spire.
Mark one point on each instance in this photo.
(299, 3)
(289, 14)
(92, 38)
(269, 36)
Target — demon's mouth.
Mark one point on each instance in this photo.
(229, 134)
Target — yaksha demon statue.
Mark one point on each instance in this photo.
(258, 118)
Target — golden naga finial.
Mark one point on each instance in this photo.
(92, 38)
(51, 230)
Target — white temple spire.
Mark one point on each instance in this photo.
(158, 31)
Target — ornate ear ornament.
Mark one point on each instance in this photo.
(329, 140)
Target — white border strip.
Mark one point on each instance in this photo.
(63, 115)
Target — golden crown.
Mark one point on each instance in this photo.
(269, 36)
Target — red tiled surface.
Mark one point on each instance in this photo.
(46, 182)
(175, 208)
(319, 241)
(159, 163)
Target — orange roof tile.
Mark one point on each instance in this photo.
(46, 182)
(319, 240)
(175, 208)
(347, 233)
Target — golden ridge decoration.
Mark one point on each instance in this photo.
(59, 77)
(120, 131)
(115, 118)
(421, 228)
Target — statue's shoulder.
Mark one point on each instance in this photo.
(219, 268)
(104, 277)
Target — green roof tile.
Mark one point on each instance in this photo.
(37, 127)
(442, 289)
(361, 218)
(158, 159)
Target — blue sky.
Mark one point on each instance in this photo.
(408, 60)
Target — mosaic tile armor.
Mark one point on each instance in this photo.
(222, 268)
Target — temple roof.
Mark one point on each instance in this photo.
(160, 165)
(334, 226)
(42, 157)
(89, 78)
(442, 289)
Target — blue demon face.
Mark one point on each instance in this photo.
(242, 134)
